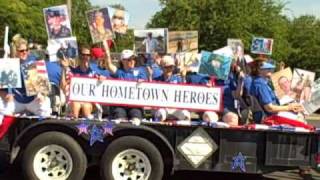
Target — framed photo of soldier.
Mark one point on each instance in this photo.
(57, 22)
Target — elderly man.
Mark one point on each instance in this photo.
(16, 100)
(265, 95)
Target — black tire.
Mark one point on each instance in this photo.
(79, 159)
(136, 143)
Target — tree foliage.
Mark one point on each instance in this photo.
(26, 17)
(218, 20)
(304, 36)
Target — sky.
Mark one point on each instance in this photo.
(141, 11)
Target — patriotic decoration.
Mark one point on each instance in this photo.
(82, 128)
(35, 77)
(96, 132)
(239, 161)
(107, 129)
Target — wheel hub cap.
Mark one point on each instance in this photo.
(52, 162)
(131, 164)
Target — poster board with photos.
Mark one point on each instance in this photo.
(183, 41)
(151, 40)
(65, 47)
(10, 73)
(262, 46)
(281, 82)
(36, 78)
(313, 104)
(119, 20)
(216, 63)
(302, 81)
(236, 46)
(189, 59)
(99, 24)
(57, 22)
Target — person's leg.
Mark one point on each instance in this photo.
(40, 108)
(87, 109)
(210, 116)
(161, 114)
(119, 113)
(75, 109)
(135, 113)
(181, 114)
(231, 118)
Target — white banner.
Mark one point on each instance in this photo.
(146, 94)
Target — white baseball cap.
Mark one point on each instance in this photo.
(126, 54)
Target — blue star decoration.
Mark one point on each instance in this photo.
(239, 161)
(107, 129)
(82, 128)
(96, 134)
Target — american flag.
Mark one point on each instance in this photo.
(41, 67)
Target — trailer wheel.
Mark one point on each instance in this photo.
(131, 158)
(52, 156)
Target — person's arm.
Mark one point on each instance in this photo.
(111, 67)
(240, 85)
(295, 107)
(6, 96)
(65, 67)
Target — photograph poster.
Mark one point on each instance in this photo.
(57, 22)
(10, 73)
(151, 40)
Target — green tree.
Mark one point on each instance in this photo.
(304, 36)
(218, 20)
(26, 17)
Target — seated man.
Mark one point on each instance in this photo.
(266, 96)
(17, 101)
(162, 114)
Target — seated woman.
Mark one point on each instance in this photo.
(200, 79)
(15, 100)
(266, 96)
(162, 114)
(127, 71)
(84, 69)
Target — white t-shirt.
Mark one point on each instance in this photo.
(151, 44)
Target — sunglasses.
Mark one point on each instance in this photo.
(168, 67)
(23, 50)
(85, 54)
(118, 17)
(129, 59)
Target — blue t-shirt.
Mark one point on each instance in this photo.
(247, 84)
(263, 92)
(157, 71)
(132, 74)
(20, 94)
(195, 78)
(54, 72)
(172, 79)
(229, 85)
(103, 72)
(78, 71)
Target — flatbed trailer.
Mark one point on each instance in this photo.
(62, 148)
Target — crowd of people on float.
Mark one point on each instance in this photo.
(247, 86)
